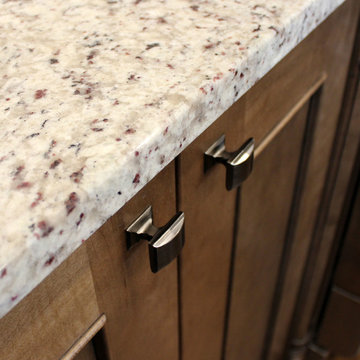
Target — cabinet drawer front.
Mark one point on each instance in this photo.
(54, 315)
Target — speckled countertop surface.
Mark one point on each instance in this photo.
(97, 96)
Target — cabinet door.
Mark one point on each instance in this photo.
(266, 199)
(141, 307)
(209, 226)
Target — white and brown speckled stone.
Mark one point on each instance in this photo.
(97, 96)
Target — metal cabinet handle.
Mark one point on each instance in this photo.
(238, 163)
(165, 243)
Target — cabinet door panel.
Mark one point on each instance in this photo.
(205, 260)
(141, 307)
(266, 199)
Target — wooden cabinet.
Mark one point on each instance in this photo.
(242, 279)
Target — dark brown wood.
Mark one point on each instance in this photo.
(340, 330)
(47, 322)
(310, 355)
(87, 353)
(315, 352)
(347, 275)
(141, 307)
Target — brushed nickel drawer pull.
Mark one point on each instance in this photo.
(165, 243)
(238, 163)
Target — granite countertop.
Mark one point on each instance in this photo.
(96, 97)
